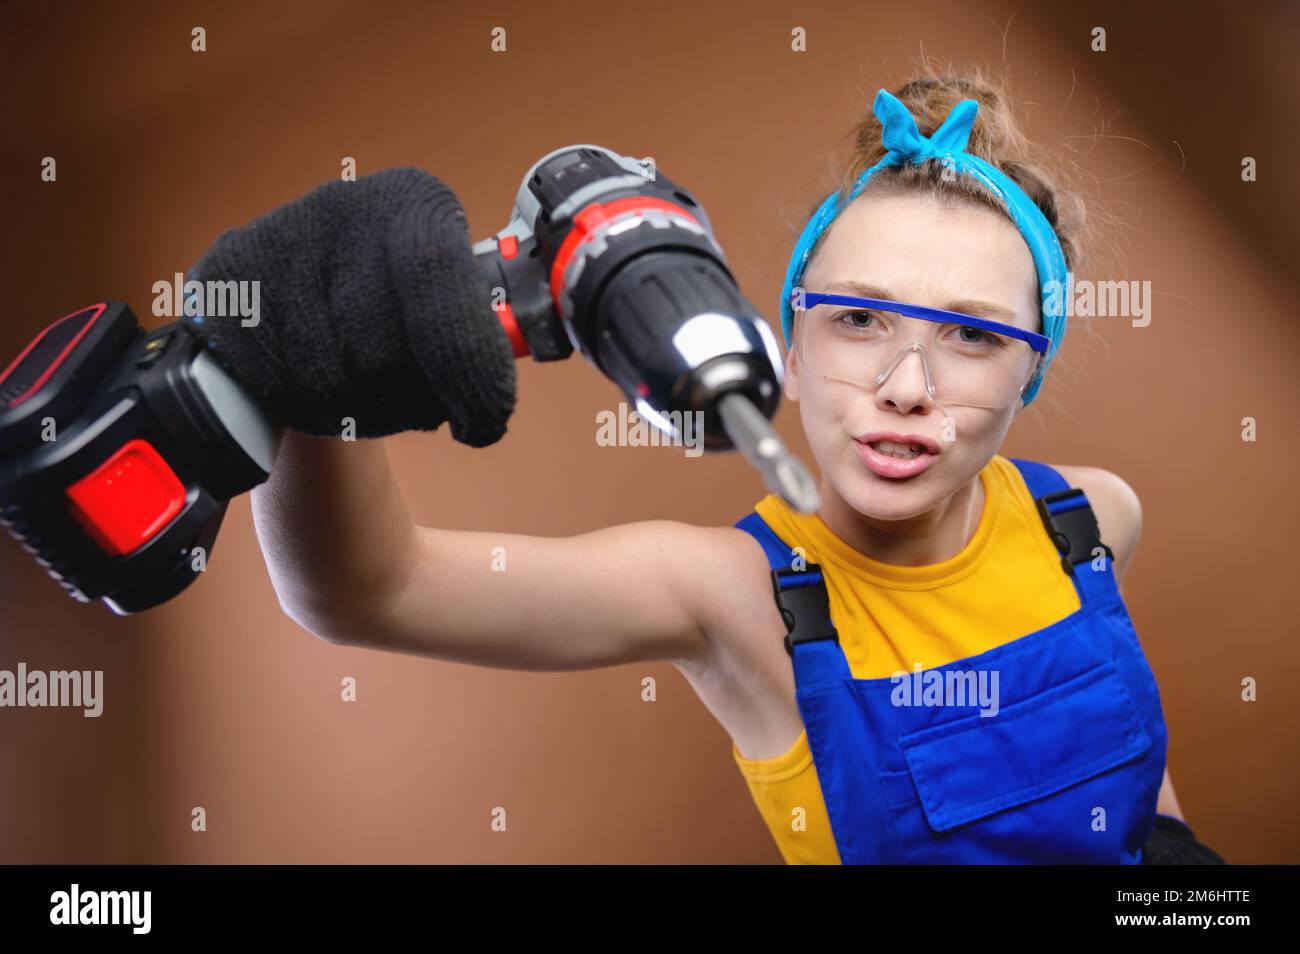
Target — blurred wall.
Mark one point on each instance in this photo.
(217, 699)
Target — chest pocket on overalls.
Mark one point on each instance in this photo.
(1041, 781)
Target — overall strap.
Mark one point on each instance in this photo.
(1072, 526)
(801, 596)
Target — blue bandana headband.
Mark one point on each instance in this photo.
(906, 144)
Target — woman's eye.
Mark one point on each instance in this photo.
(857, 319)
(968, 334)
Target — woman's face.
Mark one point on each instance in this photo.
(920, 252)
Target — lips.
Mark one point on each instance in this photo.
(892, 455)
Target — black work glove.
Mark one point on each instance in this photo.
(1172, 842)
(370, 308)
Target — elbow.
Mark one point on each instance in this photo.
(353, 610)
(324, 625)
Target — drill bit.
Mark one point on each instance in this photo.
(754, 437)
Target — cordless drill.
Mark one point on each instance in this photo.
(606, 255)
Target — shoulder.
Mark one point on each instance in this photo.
(1116, 506)
(734, 570)
(720, 573)
(717, 554)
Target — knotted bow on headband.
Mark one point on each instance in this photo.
(905, 143)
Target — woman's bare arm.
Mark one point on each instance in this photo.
(350, 566)
(334, 529)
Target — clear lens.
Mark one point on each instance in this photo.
(957, 364)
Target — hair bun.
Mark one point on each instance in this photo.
(997, 137)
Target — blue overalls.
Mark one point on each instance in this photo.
(1066, 772)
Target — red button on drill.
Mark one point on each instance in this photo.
(128, 498)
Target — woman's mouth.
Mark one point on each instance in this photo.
(894, 459)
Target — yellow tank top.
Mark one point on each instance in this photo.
(1005, 583)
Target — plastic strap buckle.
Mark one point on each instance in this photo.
(1072, 526)
(805, 606)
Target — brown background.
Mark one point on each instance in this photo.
(219, 700)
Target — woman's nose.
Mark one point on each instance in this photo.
(905, 384)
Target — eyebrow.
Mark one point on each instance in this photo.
(967, 306)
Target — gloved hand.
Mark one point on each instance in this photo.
(1172, 842)
(371, 308)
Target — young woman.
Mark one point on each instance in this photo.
(918, 323)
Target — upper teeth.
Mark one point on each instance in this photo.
(894, 449)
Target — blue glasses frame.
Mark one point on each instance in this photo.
(1037, 342)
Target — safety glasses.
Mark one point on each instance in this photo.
(963, 359)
